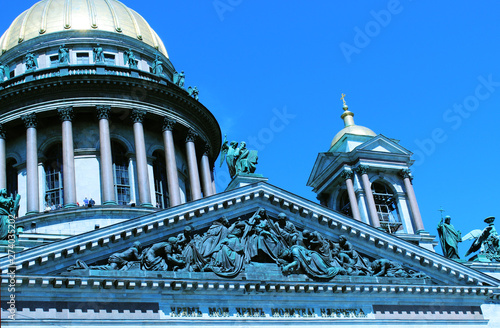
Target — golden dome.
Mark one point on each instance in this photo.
(50, 16)
(351, 128)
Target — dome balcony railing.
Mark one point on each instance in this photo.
(85, 69)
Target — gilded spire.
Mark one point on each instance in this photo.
(347, 116)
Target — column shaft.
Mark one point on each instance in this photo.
(372, 210)
(107, 184)
(32, 198)
(206, 176)
(418, 225)
(352, 199)
(142, 165)
(194, 176)
(171, 167)
(69, 184)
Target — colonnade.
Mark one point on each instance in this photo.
(362, 170)
(66, 115)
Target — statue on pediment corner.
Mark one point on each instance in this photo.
(239, 160)
(449, 238)
(9, 207)
(486, 241)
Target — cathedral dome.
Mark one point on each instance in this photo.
(52, 16)
(351, 128)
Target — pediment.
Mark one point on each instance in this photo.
(323, 161)
(383, 144)
(97, 246)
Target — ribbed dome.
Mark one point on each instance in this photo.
(50, 16)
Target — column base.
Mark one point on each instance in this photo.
(32, 212)
(72, 205)
(147, 205)
(110, 202)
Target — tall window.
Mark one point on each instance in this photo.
(120, 172)
(54, 176)
(344, 203)
(385, 202)
(11, 176)
(160, 177)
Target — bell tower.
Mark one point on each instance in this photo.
(367, 177)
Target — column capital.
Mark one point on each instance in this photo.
(138, 115)
(406, 174)
(191, 135)
(168, 124)
(207, 149)
(2, 132)
(30, 120)
(65, 113)
(103, 112)
(346, 174)
(362, 169)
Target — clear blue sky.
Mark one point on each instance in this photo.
(413, 73)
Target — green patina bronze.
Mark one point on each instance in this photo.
(240, 160)
(449, 238)
(8, 211)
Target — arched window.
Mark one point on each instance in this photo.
(11, 172)
(385, 202)
(160, 177)
(120, 173)
(344, 205)
(53, 176)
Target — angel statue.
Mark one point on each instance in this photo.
(487, 242)
(239, 160)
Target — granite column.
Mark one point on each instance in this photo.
(140, 155)
(32, 199)
(194, 176)
(107, 184)
(171, 163)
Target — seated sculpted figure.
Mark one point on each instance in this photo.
(163, 257)
(229, 259)
(287, 230)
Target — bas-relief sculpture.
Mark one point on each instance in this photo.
(8, 211)
(227, 249)
(239, 160)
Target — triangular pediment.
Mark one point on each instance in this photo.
(383, 144)
(97, 246)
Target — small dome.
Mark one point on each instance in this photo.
(51, 16)
(350, 127)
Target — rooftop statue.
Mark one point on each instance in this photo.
(240, 160)
(4, 72)
(130, 58)
(179, 78)
(98, 54)
(30, 61)
(193, 92)
(63, 54)
(449, 238)
(8, 213)
(486, 241)
(158, 65)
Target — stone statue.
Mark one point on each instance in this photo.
(8, 212)
(179, 79)
(120, 261)
(4, 72)
(449, 238)
(130, 58)
(239, 160)
(98, 54)
(30, 61)
(193, 92)
(63, 54)
(486, 241)
(158, 65)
